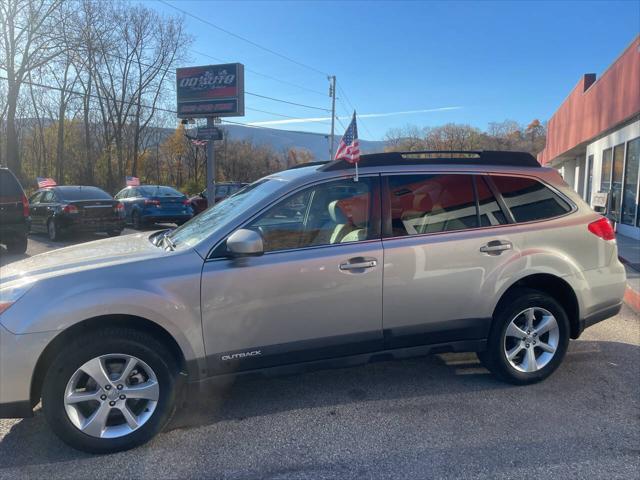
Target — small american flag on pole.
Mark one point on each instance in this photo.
(132, 181)
(199, 143)
(349, 148)
(45, 182)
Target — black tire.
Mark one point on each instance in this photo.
(495, 357)
(53, 231)
(136, 221)
(103, 342)
(17, 245)
(114, 233)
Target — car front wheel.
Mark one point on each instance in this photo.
(52, 230)
(528, 339)
(17, 245)
(110, 391)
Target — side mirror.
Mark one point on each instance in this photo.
(245, 243)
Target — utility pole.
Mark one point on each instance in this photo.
(332, 94)
(211, 166)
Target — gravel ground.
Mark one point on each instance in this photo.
(431, 417)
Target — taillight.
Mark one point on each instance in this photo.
(186, 201)
(25, 206)
(152, 202)
(603, 229)
(119, 207)
(70, 209)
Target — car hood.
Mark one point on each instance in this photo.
(84, 256)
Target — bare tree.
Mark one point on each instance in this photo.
(26, 45)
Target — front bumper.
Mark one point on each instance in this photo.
(19, 355)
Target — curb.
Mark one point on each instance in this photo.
(632, 299)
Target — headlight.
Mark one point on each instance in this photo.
(10, 294)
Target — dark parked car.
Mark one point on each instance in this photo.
(66, 209)
(147, 204)
(14, 213)
(200, 203)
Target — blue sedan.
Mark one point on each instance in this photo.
(148, 204)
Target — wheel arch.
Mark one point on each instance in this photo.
(94, 324)
(556, 288)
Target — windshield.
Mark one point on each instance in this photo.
(159, 191)
(212, 219)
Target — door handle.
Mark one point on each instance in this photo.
(496, 247)
(359, 263)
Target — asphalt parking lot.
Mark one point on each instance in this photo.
(431, 417)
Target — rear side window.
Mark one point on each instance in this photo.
(9, 186)
(528, 199)
(431, 203)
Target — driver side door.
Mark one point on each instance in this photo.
(315, 293)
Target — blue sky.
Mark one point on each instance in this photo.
(463, 62)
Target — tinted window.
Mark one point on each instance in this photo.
(122, 194)
(48, 197)
(35, 198)
(8, 184)
(222, 191)
(529, 199)
(490, 211)
(431, 203)
(326, 214)
(159, 191)
(82, 193)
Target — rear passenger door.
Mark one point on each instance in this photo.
(443, 246)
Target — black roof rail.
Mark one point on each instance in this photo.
(438, 157)
(308, 164)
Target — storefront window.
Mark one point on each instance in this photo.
(605, 172)
(587, 195)
(631, 172)
(615, 201)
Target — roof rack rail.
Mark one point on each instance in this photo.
(308, 164)
(436, 157)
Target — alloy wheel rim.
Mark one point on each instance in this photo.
(52, 230)
(531, 339)
(111, 396)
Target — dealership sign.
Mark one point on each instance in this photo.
(210, 91)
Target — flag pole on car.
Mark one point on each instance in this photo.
(349, 148)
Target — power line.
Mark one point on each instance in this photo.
(344, 94)
(255, 72)
(160, 109)
(172, 71)
(251, 42)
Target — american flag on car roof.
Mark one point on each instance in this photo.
(46, 182)
(349, 148)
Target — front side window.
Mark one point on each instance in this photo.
(325, 214)
(431, 203)
(528, 199)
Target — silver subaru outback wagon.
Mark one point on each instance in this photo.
(464, 251)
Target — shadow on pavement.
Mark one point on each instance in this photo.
(595, 379)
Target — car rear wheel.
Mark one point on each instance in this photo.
(528, 339)
(17, 245)
(110, 391)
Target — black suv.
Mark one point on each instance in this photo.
(14, 213)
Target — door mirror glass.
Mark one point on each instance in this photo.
(244, 243)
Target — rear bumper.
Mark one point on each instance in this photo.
(10, 231)
(599, 316)
(92, 225)
(168, 217)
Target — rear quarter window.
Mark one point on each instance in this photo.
(9, 186)
(530, 200)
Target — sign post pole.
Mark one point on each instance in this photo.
(211, 166)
